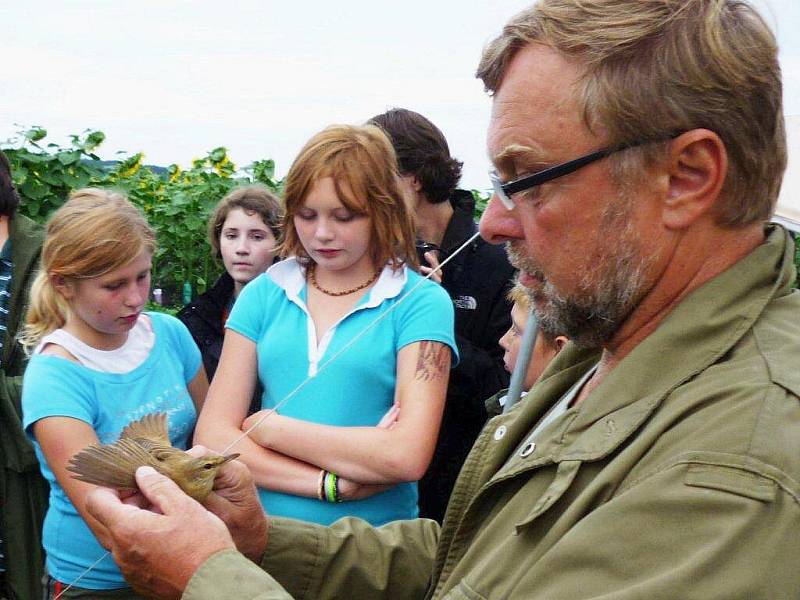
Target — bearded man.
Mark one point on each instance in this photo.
(639, 147)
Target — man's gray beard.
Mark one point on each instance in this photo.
(605, 297)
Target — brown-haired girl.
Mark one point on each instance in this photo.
(355, 434)
(243, 233)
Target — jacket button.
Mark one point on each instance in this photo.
(500, 432)
(528, 449)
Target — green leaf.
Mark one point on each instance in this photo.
(34, 134)
(34, 190)
(218, 154)
(68, 158)
(30, 157)
(93, 140)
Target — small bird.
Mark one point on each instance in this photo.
(146, 443)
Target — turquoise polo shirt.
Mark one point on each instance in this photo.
(357, 388)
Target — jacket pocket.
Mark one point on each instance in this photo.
(731, 479)
(463, 592)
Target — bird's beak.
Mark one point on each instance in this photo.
(229, 457)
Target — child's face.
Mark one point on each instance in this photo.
(542, 352)
(246, 244)
(511, 339)
(104, 309)
(333, 236)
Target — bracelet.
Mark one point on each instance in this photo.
(321, 485)
(331, 485)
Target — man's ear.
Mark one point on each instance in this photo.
(561, 341)
(62, 286)
(698, 164)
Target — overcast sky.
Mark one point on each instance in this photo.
(175, 79)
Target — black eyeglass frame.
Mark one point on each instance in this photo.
(504, 191)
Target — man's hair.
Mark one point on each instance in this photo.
(659, 67)
(9, 199)
(253, 200)
(422, 151)
(363, 166)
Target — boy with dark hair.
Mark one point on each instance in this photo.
(476, 280)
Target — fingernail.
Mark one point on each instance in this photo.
(146, 470)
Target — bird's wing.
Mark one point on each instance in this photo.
(151, 427)
(110, 465)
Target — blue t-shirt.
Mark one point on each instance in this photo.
(358, 387)
(54, 386)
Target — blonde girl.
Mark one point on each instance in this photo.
(361, 431)
(98, 362)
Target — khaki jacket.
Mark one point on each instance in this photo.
(678, 477)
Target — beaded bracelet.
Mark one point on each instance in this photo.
(331, 485)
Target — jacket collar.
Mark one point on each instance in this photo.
(462, 224)
(698, 332)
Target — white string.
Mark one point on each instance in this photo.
(81, 576)
(322, 367)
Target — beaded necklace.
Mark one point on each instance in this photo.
(313, 279)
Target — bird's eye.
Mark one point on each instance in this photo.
(208, 466)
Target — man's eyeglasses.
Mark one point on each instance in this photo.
(505, 191)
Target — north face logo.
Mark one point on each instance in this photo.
(465, 302)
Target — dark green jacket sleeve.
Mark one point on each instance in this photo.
(308, 561)
(23, 490)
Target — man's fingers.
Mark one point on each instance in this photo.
(200, 451)
(105, 506)
(161, 491)
(233, 474)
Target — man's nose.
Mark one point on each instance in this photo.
(498, 224)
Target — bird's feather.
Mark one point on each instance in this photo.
(111, 465)
(151, 427)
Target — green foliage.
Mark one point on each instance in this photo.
(44, 175)
(481, 201)
(177, 202)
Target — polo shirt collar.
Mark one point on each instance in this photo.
(290, 275)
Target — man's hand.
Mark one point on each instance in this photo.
(234, 499)
(158, 553)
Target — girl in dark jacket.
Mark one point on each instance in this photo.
(243, 233)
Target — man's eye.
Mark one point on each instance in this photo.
(530, 195)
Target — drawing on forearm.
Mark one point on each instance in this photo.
(431, 361)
